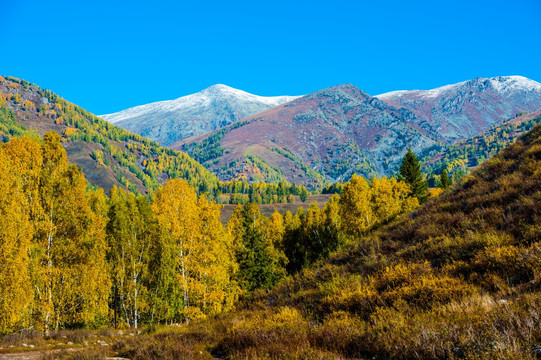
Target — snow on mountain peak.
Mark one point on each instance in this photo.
(502, 84)
(173, 120)
(432, 93)
(205, 98)
(516, 82)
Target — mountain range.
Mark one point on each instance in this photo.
(170, 121)
(314, 139)
(330, 134)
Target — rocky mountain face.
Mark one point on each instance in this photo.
(333, 132)
(170, 121)
(458, 111)
(341, 130)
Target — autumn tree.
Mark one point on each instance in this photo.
(364, 206)
(303, 193)
(390, 198)
(196, 254)
(355, 207)
(129, 232)
(15, 238)
(69, 275)
(215, 289)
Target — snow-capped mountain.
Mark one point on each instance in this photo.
(170, 121)
(340, 130)
(467, 108)
(328, 134)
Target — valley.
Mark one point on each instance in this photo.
(218, 250)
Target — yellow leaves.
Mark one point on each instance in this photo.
(202, 247)
(434, 192)
(363, 206)
(15, 235)
(17, 98)
(29, 105)
(356, 211)
(286, 318)
(192, 313)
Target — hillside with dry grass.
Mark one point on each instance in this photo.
(458, 278)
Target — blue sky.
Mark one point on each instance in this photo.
(110, 55)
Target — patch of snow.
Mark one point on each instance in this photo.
(502, 84)
(507, 84)
(204, 98)
(432, 93)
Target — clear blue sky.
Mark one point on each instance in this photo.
(110, 55)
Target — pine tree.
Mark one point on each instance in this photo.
(260, 263)
(410, 173)
(445, 181)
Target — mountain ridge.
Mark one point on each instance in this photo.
(207, 110)
(341, 130)
(328, 131)
(458, 111)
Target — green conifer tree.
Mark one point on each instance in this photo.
(260, 263)
(410, 173)
(445, 181)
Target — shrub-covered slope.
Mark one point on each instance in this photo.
(108, 154)
(458, 278)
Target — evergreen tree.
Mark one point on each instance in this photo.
(410, 173)
(260, 263)
(445, 181)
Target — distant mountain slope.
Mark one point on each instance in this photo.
(332, 132)
(108, 154)
(465, 109)
(469, 153)
(337, 131)
(169, 121)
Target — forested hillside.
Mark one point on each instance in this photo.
(467, 154)
(108, 155)
(73, 257)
